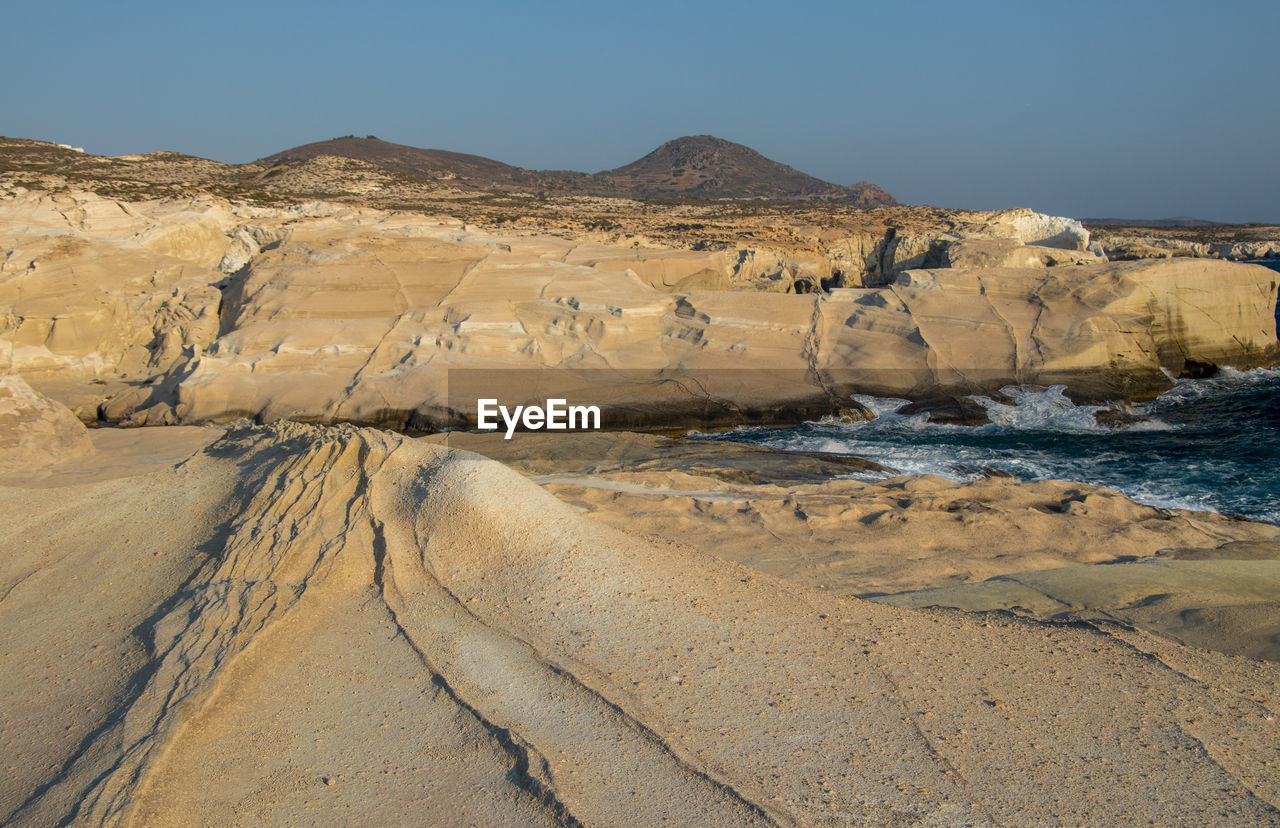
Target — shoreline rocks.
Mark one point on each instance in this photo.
(35, 431)
(354, 315)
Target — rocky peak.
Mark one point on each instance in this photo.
(701, 152)
(705, 166)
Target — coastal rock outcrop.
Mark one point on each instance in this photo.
(1011, 253)
(92, 287)
(1131, 248)
(343, 314)
(1009, 238)
(78, 308)
(1056, 548)
(1046, 231)
(35, 431)
(1237, 243)
(427, 307)
(1269, 249)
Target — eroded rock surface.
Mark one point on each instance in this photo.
(202, 311)
(341, 624)
(35, 431)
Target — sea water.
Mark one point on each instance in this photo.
(1210, 444)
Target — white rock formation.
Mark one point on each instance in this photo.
(344, 314)
(35, 431)
(1049, 231)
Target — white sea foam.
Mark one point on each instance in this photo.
(1185, 455)
(1224, 382)
(1037, 410)
(1032, 409)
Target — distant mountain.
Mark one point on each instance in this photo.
(700, 166)
(703, 166)
(1176, 221)
(457, 168)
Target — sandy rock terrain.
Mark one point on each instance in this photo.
(310, 621)
(335, 624)
(302, 345)
(1238, 243)
(1053, 548)
(35, 429)
(201, 311)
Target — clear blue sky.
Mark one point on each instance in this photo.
(1133, 108)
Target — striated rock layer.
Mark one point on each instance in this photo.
(344, 625)
(201, 311)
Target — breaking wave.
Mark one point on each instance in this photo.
(1210, 444)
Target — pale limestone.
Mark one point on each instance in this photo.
(36, 432)
(336, 313)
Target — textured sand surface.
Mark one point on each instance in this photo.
(338, 625)
(1052, 548)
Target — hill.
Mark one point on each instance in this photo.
(700, 166)
(457, 168)
(703, 166)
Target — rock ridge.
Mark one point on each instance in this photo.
(699, 166)
(588, 675)
(199, 310)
